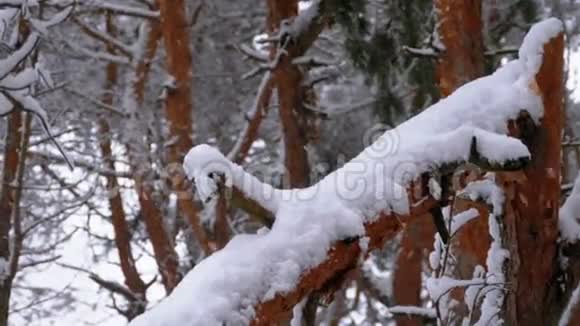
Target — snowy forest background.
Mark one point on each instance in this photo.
(128, 86)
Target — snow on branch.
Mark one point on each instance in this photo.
(298, 36)
(569, 221)
(14, 86)
(103, 37)
(322, 232)
(15, 3)
(413, 311)
(121, 9)
(8, 64)
(498, 254)
(42, 26)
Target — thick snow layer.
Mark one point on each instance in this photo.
(569, 222)
(225, 287)
(532, 48)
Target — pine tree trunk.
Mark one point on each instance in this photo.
(121, 230)
(532, 202)
(407, 285)
(288, 79)
(16, 142)
(11, 158)
(163, 248)
(178, 104)
(460, 29)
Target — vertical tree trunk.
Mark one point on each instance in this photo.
(178, 104)
(11, 158)
(288, 79)
(407, 285)
(14, 157)
(532, 204)
(122, 235)
(291, 94)
(163, 247)
(460, 30)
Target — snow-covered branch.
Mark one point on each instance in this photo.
(318, 230)
(104, 37)
(422, 53)
(413, 311)
(498, 254)
(121, 9)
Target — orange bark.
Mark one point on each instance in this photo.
(251, 132)
(7, 202)
(463, 60)
(460, 29)
(531, 213)
(163, 248)
(341, 260)
(121, 230)
(15, 147)
(288, 79)
(417, 241)
(178, 104)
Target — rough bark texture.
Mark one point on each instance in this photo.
(163, 249)
(11, 158)
(417, 241)
(295, 49)
(14, 156)
(178, 104)
(288, 79)
(291, 96)
(250, 133)
(532, 201)
(341, 260)
(118, 217)
(460, 29)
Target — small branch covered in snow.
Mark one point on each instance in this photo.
(431, 53)
(413, 311)
(250, 52)
(118, 9)
(104, 37)
(15, 93)
(500, 52)
(498, 254)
